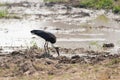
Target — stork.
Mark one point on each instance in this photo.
(48, 37)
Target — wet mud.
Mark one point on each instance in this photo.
(33, 61)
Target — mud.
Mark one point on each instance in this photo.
(31, 61)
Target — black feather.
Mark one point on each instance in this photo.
(45, 35)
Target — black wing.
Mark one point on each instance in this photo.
(45, 35)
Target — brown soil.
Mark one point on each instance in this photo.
(33, 64)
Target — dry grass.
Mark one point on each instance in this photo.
(74, 72)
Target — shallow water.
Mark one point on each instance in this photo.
(77, 35)
(71, 31)
(67, 35)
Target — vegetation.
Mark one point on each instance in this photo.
(94, 45)
(3, 4)
(96, 4)
(102, 4)
(5, 14)
(34, 44)
(116, 9)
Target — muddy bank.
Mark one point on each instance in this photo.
(34, 61)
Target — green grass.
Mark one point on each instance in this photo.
(96, 4)
(3, 13)
(116, 9)
(102, 4)
(94, 43)
(3, 4)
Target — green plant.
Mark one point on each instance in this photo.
(3, 13)
(34, 44)
(3, 4)
(98, 4)
(116, 9)
(106, 4)
(95, 44)
(87, 3)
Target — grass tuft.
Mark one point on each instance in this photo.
(3, 13)
(116, 9)
(96, 4)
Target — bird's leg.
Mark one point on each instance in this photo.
(45, 47)
(57, 49)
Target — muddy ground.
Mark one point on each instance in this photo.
(80, 35)
(33, 64)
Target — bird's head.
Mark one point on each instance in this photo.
(33, 31)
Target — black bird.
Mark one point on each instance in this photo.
(49, 37)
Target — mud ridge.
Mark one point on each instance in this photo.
(32, 61)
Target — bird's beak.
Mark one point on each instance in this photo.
(57, 50)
